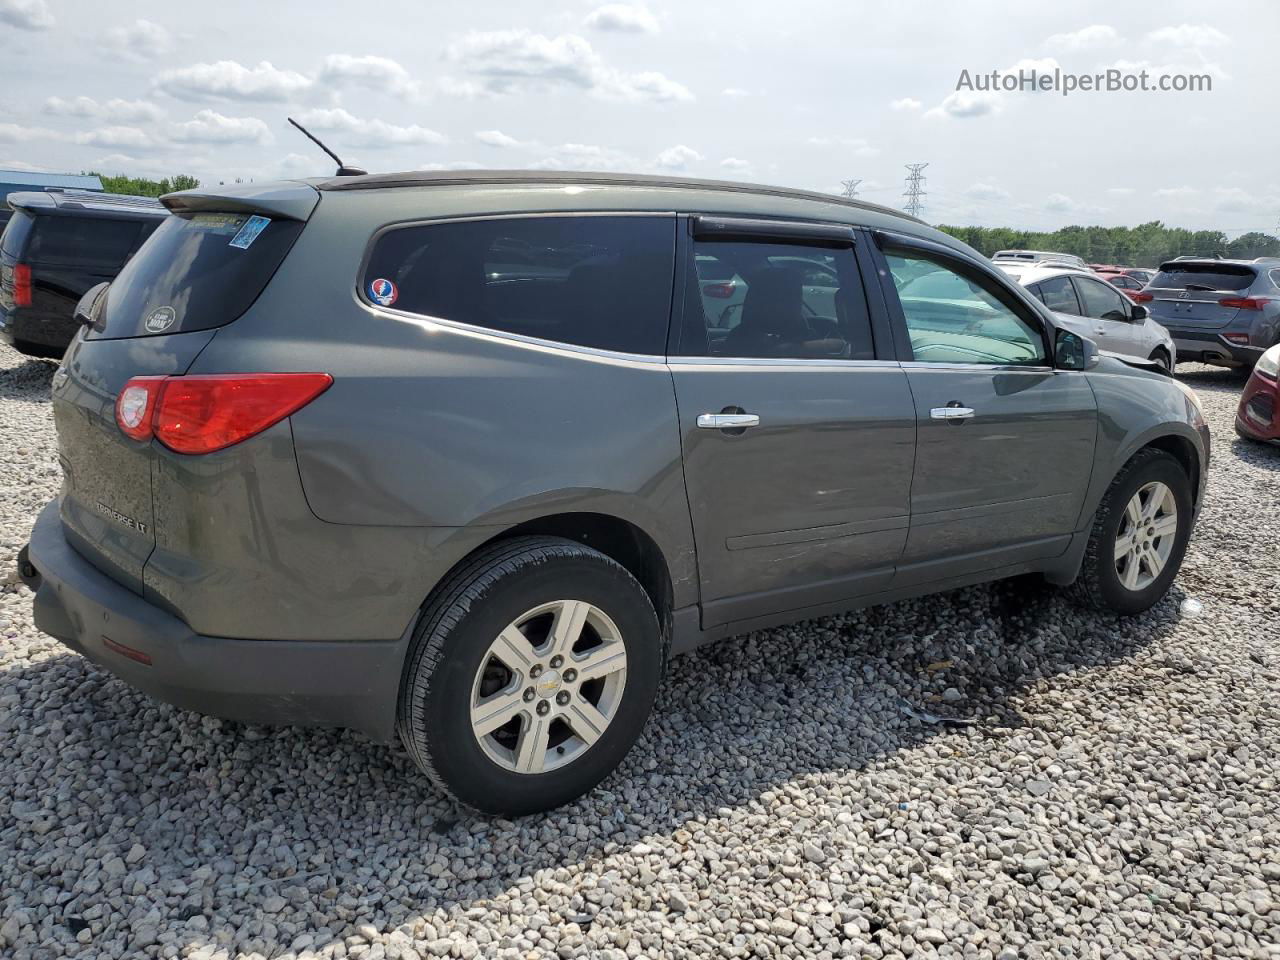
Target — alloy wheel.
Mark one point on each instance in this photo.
(548, 687)
(1146, 535)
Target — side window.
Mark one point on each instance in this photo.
(1100, 301)
(592, 281)
(1059, 296)
(954, 316)
(775, 300)
(76, 241)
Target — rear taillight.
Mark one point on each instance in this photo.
(722, 291)
(136, 406)
(22, 285)
(201, 414)
(1143, 297)
(1244, 303)
(1237, 338)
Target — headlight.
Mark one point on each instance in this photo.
(1191, 396)
(1269, 363)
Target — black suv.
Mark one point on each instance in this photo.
(55, 247)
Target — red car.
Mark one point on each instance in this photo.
(1128, 280)
(1258, 416)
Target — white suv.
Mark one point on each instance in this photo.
(1088, 305)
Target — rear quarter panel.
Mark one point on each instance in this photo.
(433, 426)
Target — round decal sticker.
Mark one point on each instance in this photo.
(383, 292)
(160, 319)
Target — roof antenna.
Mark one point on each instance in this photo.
(343, 169)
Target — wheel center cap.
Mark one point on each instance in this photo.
(549, 683)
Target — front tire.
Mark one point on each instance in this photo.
(1162, 357)
(1139, 536)
(530, 675)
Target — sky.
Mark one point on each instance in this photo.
(800, 93)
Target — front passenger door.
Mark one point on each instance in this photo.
(1005, 442)
(1110, 314)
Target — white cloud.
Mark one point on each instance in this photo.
(1189, 35)
(118, 137)
(377, 73)
(1236, 199)
(1203, 66)
(21, 165)
(369, 133)
(623, 18)
(1120, 191)
(1061, 203)
(496, 138)
(142, 40)
(906, 104)
(854, 146)
(1087, 38)
(678, 157)
(16, 133)
(584, 156)
(988, 193)
(510, 61)
(963, 104)
(453, 165)
(230, 80)
(120, 111)
(209, 126)
(26, 14)
(1176, 193)
(733, 163)
(735, 92)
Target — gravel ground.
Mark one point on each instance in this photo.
(1117, 796)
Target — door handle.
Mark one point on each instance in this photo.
(951, 413)
(727, 421)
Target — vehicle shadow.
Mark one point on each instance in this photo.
(240, 825)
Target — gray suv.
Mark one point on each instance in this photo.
(1223, 312)
(463, 459)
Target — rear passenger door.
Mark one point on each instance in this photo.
(796, 423)
(1004, 441)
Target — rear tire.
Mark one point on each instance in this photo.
(1129, 581)
(530, 675)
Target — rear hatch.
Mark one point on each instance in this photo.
(201, 270)
(1198, 294)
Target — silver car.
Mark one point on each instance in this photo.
(1091, 307)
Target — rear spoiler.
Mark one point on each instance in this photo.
(281, 201)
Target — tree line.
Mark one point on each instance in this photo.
(143, 186)
(1147, 245)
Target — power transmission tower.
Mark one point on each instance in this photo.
(914, 194)
(850, 190)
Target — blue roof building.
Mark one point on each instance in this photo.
(13, 181)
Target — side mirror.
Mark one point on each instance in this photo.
(1074, 352)
(1139, 312)
(86, 309)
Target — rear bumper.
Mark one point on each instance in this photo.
(1198, 346)
(352, 684)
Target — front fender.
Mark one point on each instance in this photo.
(1136, 409)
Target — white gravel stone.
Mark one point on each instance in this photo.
(172, 835)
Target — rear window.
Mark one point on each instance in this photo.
(593, 281)
(195, 273)
(1203, 276)
(15, 235)
(93, 242)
